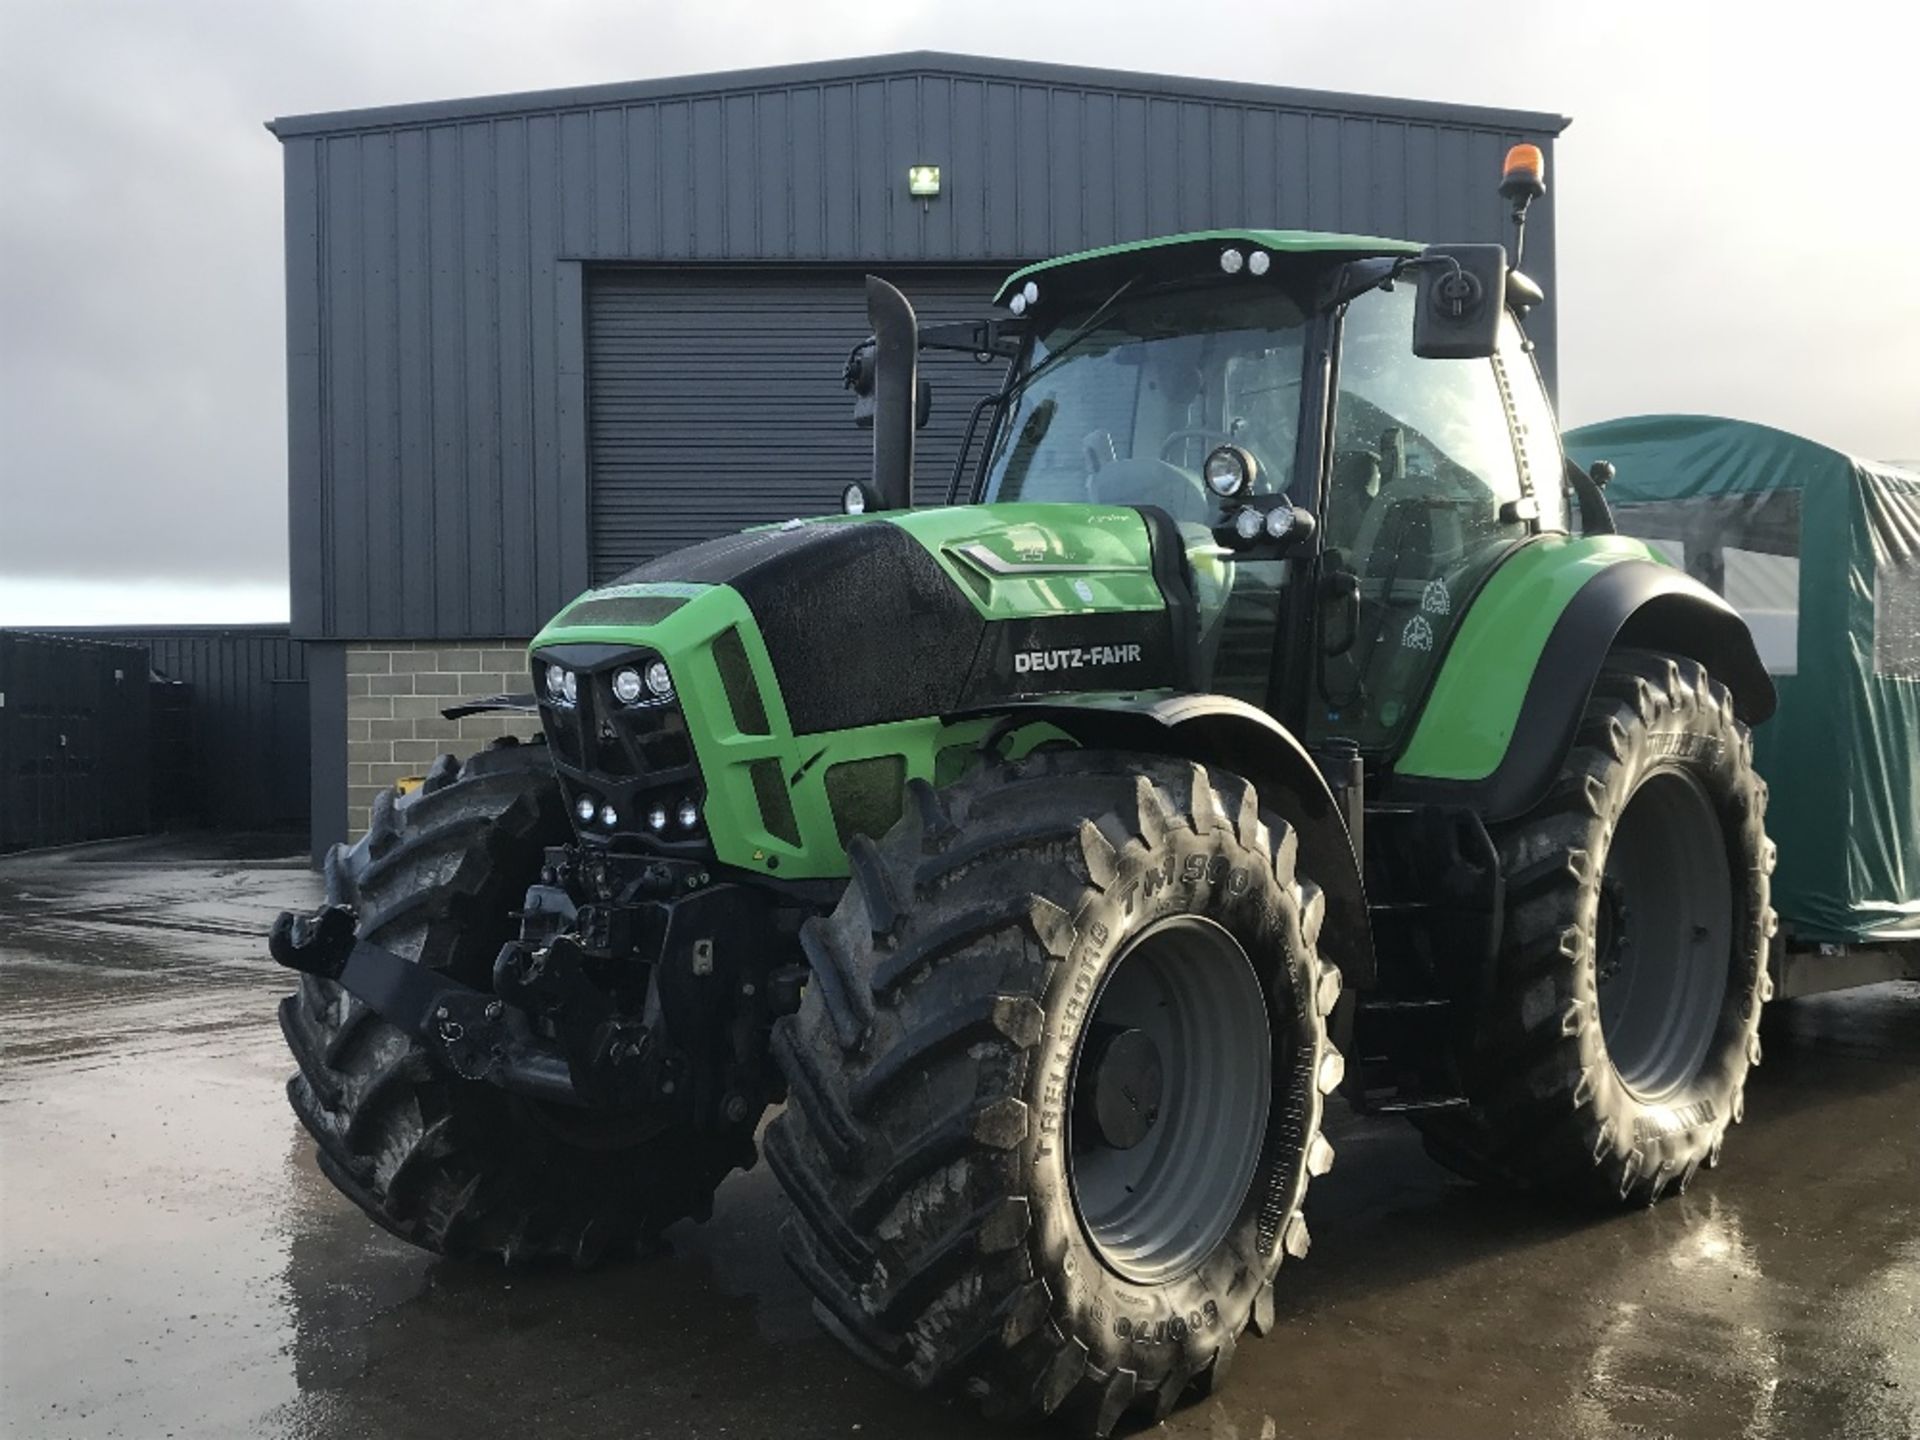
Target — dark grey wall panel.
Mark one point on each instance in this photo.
(327, 747)
(248, 683)
(437, 416)
(73, 740)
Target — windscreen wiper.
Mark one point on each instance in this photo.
(1093, 320)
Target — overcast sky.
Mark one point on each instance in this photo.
(1738, 212)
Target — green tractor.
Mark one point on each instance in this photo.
(1263, 727)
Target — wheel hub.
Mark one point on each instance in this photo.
(1663, 947)
(1169, 1099)
(1123, 1101)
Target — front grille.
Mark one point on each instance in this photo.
(636, 758)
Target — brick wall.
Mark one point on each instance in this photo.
(395, 692)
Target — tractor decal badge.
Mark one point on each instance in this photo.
(1030, 662)
(1418, 635)
(1435, 600)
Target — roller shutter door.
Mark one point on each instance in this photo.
(714, 399)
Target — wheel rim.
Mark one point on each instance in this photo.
(1663, 941)
(1168, 1104)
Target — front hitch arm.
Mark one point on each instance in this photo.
(474, 1034)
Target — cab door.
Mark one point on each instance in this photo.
(1424, 496)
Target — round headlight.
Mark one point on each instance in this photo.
(658, 680)
(853, 499)
(585, 807)
(1231, 260)
(609, 816)
(1032, 292)
(557, 684)
(1229, 471)
(1248, 523)
(1279, 521)
(1017, 303)
(626, 685)
(657, 818)
(1258, 262)
(689, 815)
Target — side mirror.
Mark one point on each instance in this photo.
(859, 376)
(1462, 292)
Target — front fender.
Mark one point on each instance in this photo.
(1219, 730)
(1505, 707)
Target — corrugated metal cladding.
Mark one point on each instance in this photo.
(436, 260)
(711, 404)
(248, 717)
(73, 740)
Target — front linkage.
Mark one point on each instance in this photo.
(637, 985)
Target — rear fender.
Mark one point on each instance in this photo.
(1455, 756)
(1231, 734)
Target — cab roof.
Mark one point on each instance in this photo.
(1293, 242)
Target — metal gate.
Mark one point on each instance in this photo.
(714, 398)
(73, 741)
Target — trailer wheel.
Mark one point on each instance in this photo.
(456, 1166)
(1056, 1085)
(1610, 1053)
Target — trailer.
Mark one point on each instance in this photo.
(1819, 551)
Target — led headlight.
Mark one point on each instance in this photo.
(1017, 303)
(609, 816)
(657, 818)
(1248, 523)
(689, 815)
(586, 807)
(1231, 260)
(1258, 262)
(1279, 522)
(853, 499)
(562, 685)
(627, 687)
(659, 681)
(1032, 292)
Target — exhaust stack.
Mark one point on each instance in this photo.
(896, 336)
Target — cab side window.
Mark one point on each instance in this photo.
(1423, 468)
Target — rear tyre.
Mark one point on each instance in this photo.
(1056, 1085)
(457, 1166)
(1610, 1054)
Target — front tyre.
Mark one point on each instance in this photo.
(1610, 1052)
(457, 1166)
(1056, 1085)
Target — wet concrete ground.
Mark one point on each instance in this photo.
(171, 1262)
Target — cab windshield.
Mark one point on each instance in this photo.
(1126, 412)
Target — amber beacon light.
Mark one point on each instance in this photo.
(1523, 180)
(1525, 173)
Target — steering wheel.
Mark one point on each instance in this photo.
(1178, 438)
(1151, 482)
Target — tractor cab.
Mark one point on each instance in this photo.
(1349, 434)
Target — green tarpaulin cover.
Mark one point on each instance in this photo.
(1820, 552)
